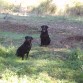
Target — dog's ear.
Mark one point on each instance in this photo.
(26, 37)
(31, 38)
(42, 26)
(46, 26)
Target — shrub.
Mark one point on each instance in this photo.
(75, 54)
(16, 8)
(2, 51)
(7, 52)
(77, 9)
(74, 60)
(46, 8)
(78, 77)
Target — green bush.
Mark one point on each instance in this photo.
(78, 77)
(77, 9)
(73, 55)
(16, 8)
(74, 60)
(2, 51)
(76, 54)
(45, 7)
(7, 51)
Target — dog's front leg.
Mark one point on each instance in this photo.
(27, 55)
(23, 57)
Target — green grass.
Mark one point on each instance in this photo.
(10, 38)
(32, 18)
(15, 35)
(43, 65)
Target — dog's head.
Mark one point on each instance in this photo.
(28, 39)
(44, 28)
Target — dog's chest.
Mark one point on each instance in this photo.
(44, 34)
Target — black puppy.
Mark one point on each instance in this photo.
(44, 36)
(25, 47)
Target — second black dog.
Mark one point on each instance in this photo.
(25, 47)
(44, 36)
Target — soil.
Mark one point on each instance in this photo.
(62, 33)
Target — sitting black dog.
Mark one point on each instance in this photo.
(25, 47)
(44, 36)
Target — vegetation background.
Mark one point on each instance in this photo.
(53, 7)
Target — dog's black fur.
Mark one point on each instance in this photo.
(44, 36)
(25, 47)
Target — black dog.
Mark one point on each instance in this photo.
(44, 36)
(25, 47)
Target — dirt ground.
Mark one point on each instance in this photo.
(63, 33)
